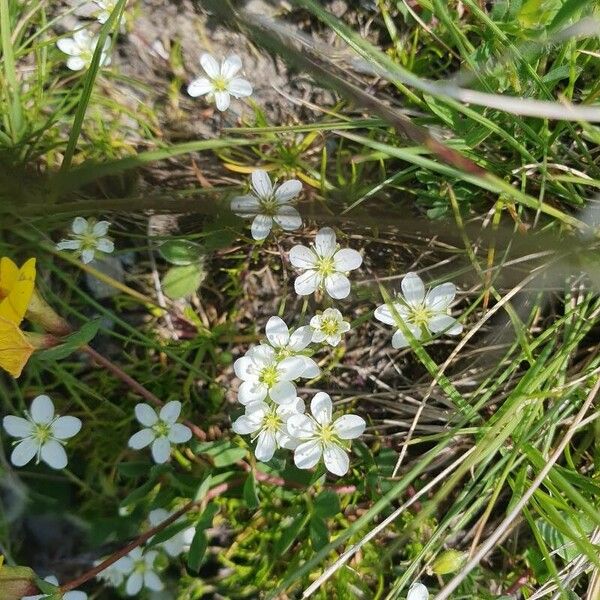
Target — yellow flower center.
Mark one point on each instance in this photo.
(269, 376)
(42, 433)
(420, 316)
(268, 206)
(272, 421)
(220, 84)
(329, 326)
(161, 428)
(327, 434)
(325, 265)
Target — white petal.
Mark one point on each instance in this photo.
(87, 256)
(265, 447)
(440, 297)
(288, 190)
(261, 226)
(291, 368)
(54, 455)
(210, 65)
(321, 408)
(239, 88)
(23, 452)
(288, 218)
(200, 87)
(175, 546)
(245, 206)
(153, 582)
(262, 355)
(336, 460)
(398, 339)
(100, 229)
(349, 427)
(311, 368)
(75, 595)
(245, 368)
(449, 325)
(413, 289)
(302, 257)
(417, 591)
(124, 565)
(157, 516)
(283, 392)
(277, 332)
(306, 283)
(180, 434)
(325, 242)
(284, 440)
(17, 426)
(337, 285)
(141, 439)
(261, 183)
(145, 414)
(300, 338)
(64, 428)
(76, 63)
(307, 454)
(42, 409)
(134, 583)
(347, 259)
(105, 245)
(384, 314)
(318, 336)
(251, 391)
(68, 245)
(301, 427)
(230, 66)
(285, 411)
(68, 46)
(222, 100)
(84, 39)
(170, 411)
(244, 425)
(79, 225)
(161, 450)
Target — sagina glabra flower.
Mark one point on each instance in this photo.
(320, 436)
(267, 204)
(138, 568)
(221, 82)
(268, 426)
(329, 327)
(88, 238)
(81, 47)
(417, 591)
(160, 430)
(420, 311)
(72, 595)
(325, 265)
(180, 542)
(41, 434)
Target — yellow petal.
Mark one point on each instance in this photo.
(15, 348)
(16, 289)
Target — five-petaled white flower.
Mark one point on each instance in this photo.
(291, 344)
(180, 542)
(329, 327)
(221, 82)
(159, 430)
(267, 204)
(42, 434)
(72, 595)
(417, 591)
(81, 48)
(263, 375)
(319, 436)
(325, 265)
(88, 238)
(138, 568)
(420, 311)
(268, 424)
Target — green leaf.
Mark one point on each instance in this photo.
(133, 468)
(319, 535)
(327, 504)
(183, 281)
(197, 550)
(72, 342)
(222, 453)
(203, 488)
(289, 534)
(181, 252)
(250, 493)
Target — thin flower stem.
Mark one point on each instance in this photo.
(137, 387)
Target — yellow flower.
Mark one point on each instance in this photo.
(16, 289)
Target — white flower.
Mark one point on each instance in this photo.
(72, 595)
(180, 542)
(81, 48)
(321, 436)
(267, 204)
(105, 8)
(89, 237)
(324, 265)
(159, 430)
(221, 82)
(112, 575)
(329, 327)
(419, 311)
(417, 591)
(42, 434)
(269, 426)
(138, 568)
